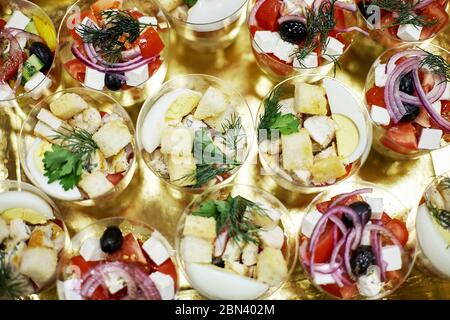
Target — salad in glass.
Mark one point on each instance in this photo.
(298, 36)
(27, 49)
(196, 132)
(118, 259)
(236, 242)
(312, 134)
(408, 97)
(406, 20)
(354, 242)
(78, 145)
(433, 227)
(32, 239)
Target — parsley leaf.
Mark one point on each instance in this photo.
(190, 3)
(286, 123)
(63, 165)
(207, 209)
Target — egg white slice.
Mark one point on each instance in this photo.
(208, 15)
(25, 200)
(53, 189)
(216, 283)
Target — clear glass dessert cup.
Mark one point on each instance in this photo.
(255, 195)
(381, 142)
(433, 234)
(31, 10)
(280, 176)
(130, 95)
(198, 82)
(102, 103)
(278, 70)
(211, 35)
(394, 207)
(14, 185)
(140, 230)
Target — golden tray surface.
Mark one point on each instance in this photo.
(142, 199)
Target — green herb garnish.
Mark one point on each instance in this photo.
(120, 31)
(441, 216)
(437, 64)
(231, 214)
(65, 163)
(12, 284)
(190, 3)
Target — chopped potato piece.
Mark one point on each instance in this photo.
(212, 104)
(310, 99)
(177, 141)
(197, 250)
(271, 267)
(201, 227)
(39, 264)
(112, 137)
(89, 120)
(183, 105)
(68, 105)
(327, 169)
(95, 184)
(297, 150)
(181, 170)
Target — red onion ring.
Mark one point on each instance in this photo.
(252, 17)
(375, 243)
(146, 284)
(291, 18)
(346, 6)
(302, 251)
(349, 240)
(422, 3)
(378, 228)
(348, 195)
(19, 33)
(132, 53)
(432, 96)
(354, 28)
(391, 64)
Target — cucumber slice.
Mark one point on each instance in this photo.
(31, 28)
(30, 67)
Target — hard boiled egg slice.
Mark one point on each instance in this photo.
(216, 283)
(36, 167)
(26, 201)
(342, 102)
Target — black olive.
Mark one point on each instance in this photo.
(407, 83)
(411, 112)
(363, 210)
(362, 259)
(363, 5)
(293, 31)
(43, 52)
(113, 82)
(111, 239)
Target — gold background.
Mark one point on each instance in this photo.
(153, 202)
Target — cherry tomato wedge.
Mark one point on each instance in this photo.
(267, 15)
(101, 5)
(115, 178)
(9, 67)
(400, 138)
(150, 43)
(398, 228)
(76, 69)
(375, 96)
(2, 23)
(129, 252)
(433, 12)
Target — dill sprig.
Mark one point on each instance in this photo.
(233, 132)
(12, 284)
(120, 29)
(441, 216)
(436, 64)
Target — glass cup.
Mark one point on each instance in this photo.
(398, 223)
(402, 141)
(217, 31)
(146, 124)
(131, 94)
(231, 288)
(39, 29)
(432, 227)
(30, 198)
(104, 104)
(73, 269)
(269, 148)
(280, 70)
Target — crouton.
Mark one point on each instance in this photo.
(89, 120)
(201, 227)
(327, 169)
(181, 170)
(49, 236)
(271, 267)
(177, 141)
(212, 104)
(95, 184)
(120, 163)
(183, 105)
(39, 264)
(68, 105)
(197, 250)
(272, 238)
(218, 122)
(112, 137)
(297, 150)
(321, 129)
(310, 99)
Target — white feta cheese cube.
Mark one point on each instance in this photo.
(392, 256)
(113, 282)
(310, 61)
(38, 91)
(409, 32)
(322, 278)
(22, 42)
(309, 222)
(365, 238)
(49, 119)
(437, 106)
(18, 230)
(90, 250)
(94, 79)
(272, 238)
(17, 20)
(334, 49)
(321, 129)
(290, 7)
(380, 75)
(284, 50)
(34, 81)
(377, 206)
(446, 94)
(72, 288)
(148, 20)
(266, 40)
(6, 92)
(380, 115)
(137, 76)
(430, 139)
(165, 285)
(370, 284)
(156, 250)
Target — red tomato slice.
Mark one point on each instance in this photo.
(9, 67)
(168, 267)
(267, 15)
(445, 109)
(130, 252)
(375, 96)
(278, 66)
(83, 265)
(385, 218)
(398, 228)
(386, 20)
(324, 247)
(339, 17)
(332, 289)
(2, 23)
(76, 69)
(136, 14)
(100, 294)
(150, 43)
(115, 178)
(154, 66)
(432, 12)
(348, 292)
(323, 206)
(101, 5)
(400, 138)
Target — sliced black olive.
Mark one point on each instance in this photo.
(363, 210)
(43, 52)
(293, 31)
(362, 259)
(111, 239)
(407, 83)
(411, 113)
(113, 81)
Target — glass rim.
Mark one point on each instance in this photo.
(146, 107)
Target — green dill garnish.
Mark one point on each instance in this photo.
(233, 132)
(190, 3)
(405, 13)
(121, 29)
(272, 119)
(436, 64)
(12, 284)
(64, 163)
(441, 216)
(230, 214)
